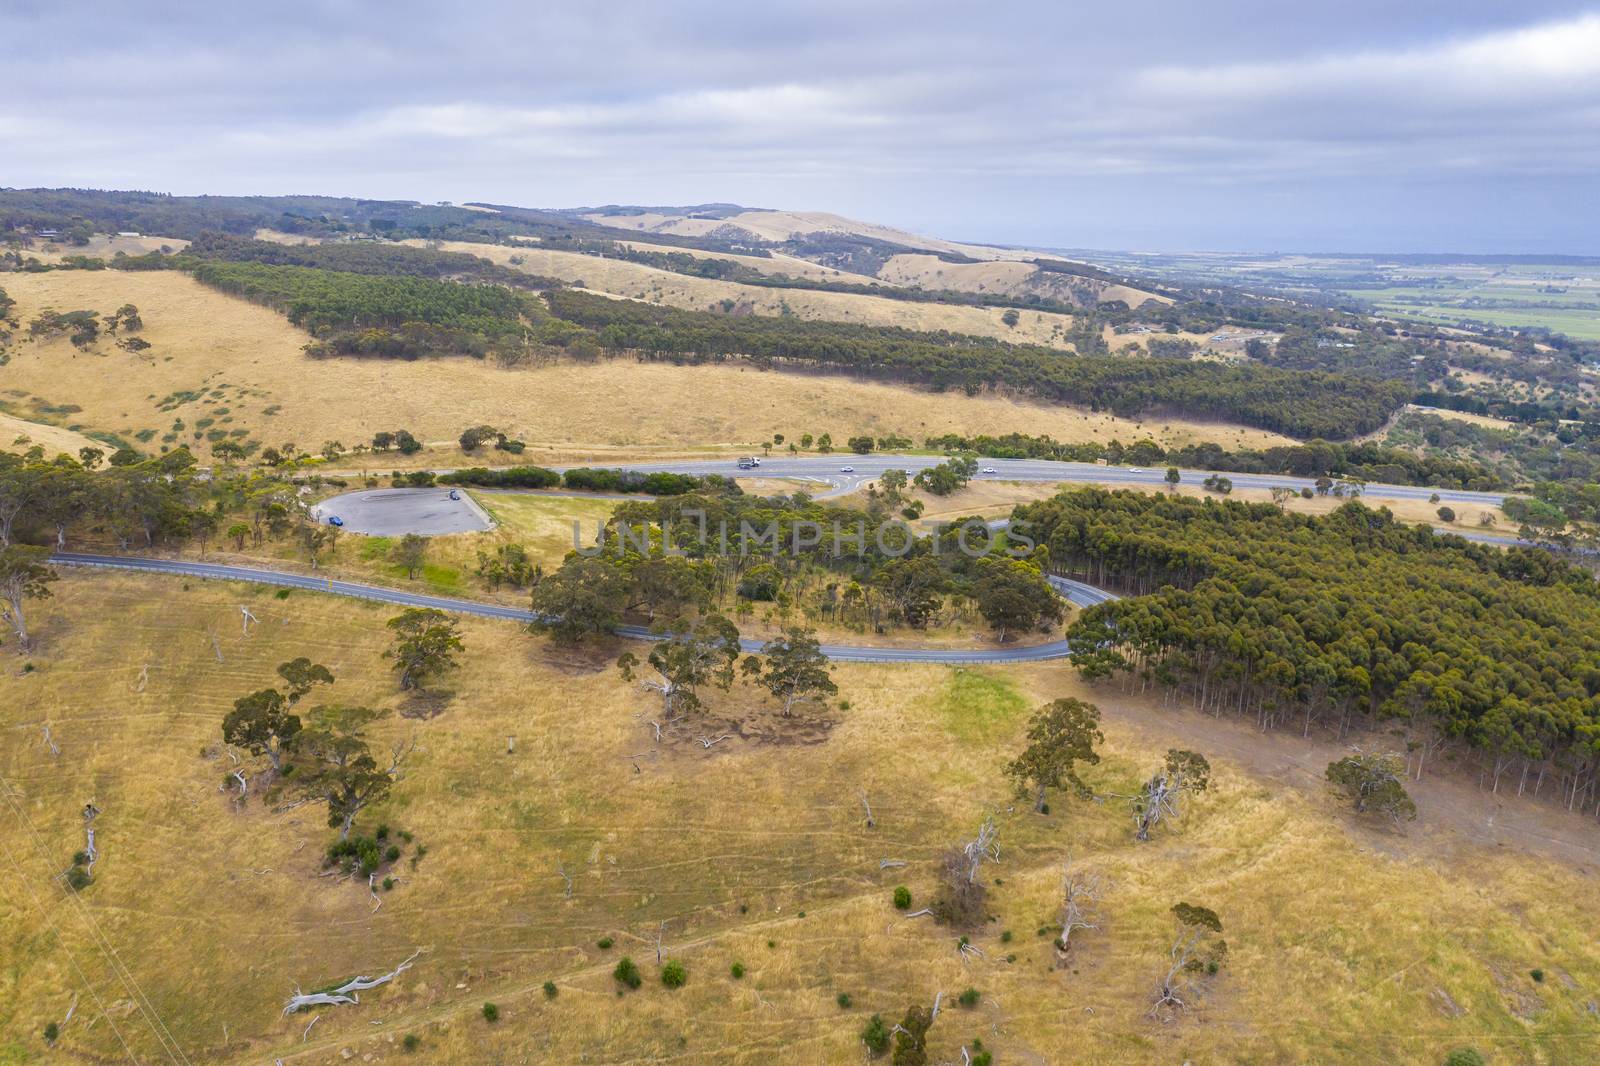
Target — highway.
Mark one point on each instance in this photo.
(1075, 591)
(828, 471)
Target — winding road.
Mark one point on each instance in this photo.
(1075, 591)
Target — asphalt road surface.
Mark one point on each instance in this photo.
(393, 512)
(1075, 591)
(828, 471)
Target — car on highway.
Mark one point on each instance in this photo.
(454, 495)
(335, 520)
(847, 470)
(1135, 470)
(988, 470)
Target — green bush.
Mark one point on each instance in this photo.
(902, 897)
(1464, 1057)
(491, 1013)
(411, 1043)
(969, 997)
(1537, 975)
(604, 943)
(981, 1056)
(876, 1035)
(627, 973)
(844, 1000)
(673, 975)
(550, 990)
(51, 1031)
(392, 853)
(736, 970)
(78, 879)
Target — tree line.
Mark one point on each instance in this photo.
(1365, 461)
(1303, 404)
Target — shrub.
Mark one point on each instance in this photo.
(392, 853)
(411, 1042)
(388, 884)
(627, 973)
(981, 1056)
(1464, 1057)
(902, 897)
(78, 879)
(876, 1035)
(51, 1031)
(550, 990)
(491, 1013)
(844, 1000)
(969, 997)
(673, 975)
(1005, 937)
(382, 833)
(1447, 514)
(1537, 975)
(736, 971)
(604, 943)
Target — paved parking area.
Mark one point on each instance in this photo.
(392, 512)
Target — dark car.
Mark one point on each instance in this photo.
(335, 520)
(454, 495)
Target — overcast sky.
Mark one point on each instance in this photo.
(1147, 124)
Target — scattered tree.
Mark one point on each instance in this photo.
(585, 597)
(1372, 784)
(1196, 949)
(24, 575)
(408, 553)
(793, 668)
(1060, 735)
(1162, 798)
(702, 653)
(426, 640)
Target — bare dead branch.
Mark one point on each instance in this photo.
(49, 742)
(345, 993)
(871, 822)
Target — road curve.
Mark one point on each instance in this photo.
(1075, 591)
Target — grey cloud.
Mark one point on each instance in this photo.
(1239, 123)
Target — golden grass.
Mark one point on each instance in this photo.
(19, 434)
(1341, 938)
(1002, 277)
(248, 359)
(636, 281)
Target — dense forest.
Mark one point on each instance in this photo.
(383, 315)
(1300, 404)
(1348, 617)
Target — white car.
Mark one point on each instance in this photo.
(847, 470)
(1135, 470)
(988, 470)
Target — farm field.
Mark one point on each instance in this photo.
(224, 366)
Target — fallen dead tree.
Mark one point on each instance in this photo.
(345, 993)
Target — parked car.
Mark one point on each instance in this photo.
(455, 495)
(335, 520)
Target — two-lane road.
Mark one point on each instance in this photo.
(1075, 591)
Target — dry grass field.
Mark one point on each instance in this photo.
(18, 435)
(1003, 277)
(239, 368)
(619, 277)
(1347, 943)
